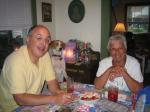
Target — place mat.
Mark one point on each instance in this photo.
(110, 106)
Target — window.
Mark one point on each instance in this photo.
(138, 18)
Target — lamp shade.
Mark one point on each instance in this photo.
(119, 27)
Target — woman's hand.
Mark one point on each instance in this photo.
(116, 71)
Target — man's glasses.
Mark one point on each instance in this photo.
(41, 38)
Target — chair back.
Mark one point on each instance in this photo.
(144, 91)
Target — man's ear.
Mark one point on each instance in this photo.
(27, 39)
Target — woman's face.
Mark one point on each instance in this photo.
(38, 42)
(117, 51)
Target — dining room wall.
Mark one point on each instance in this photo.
(15, 15)
(62, 28)
(49, 25)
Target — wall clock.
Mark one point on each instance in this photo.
(76, 11)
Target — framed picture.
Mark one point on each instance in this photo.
(46, 12)
(76, 11)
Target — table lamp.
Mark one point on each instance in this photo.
(119, 27)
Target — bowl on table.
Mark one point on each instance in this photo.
(89, 98)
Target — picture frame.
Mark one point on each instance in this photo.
(76, 11)
(46, 12)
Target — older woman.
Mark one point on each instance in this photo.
(119, 69)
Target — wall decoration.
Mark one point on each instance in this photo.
(76, 11)
(46, 12)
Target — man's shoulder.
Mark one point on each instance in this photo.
(16, 55)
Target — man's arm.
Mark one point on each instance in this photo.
(53, 87)
(58, 96)
(33, 99)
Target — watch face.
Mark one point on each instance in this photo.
(76, 11)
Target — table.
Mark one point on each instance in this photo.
(103, 104)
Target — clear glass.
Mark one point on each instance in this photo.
(70, 85)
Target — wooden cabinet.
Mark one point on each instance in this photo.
(84, 73)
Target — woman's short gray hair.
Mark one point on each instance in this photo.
(117, 37)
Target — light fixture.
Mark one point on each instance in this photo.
(69, 52)
(119, 27)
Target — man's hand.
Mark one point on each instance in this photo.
(63, 98)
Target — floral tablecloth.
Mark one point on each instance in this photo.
(103, 105)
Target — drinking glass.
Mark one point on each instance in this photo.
(70, 85)
(113, 93)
